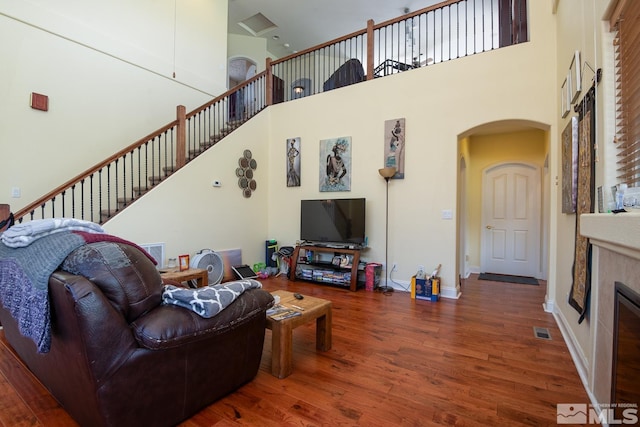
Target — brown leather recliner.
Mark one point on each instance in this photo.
(119, 357)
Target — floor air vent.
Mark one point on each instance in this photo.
(542, 333)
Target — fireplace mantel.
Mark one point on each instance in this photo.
(619, 232)
(616, 257)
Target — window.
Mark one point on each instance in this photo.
(625, 22)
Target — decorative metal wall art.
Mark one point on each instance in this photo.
(245, 171)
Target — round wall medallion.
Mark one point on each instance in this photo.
(245, 173)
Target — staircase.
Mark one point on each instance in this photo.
(106, 189)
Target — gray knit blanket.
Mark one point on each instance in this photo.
(208, 300)
(29, 254)
(24, 278)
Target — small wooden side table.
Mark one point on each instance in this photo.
(200, 275)
(282, 330)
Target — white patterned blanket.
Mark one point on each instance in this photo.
(209, 300)
(22, 235)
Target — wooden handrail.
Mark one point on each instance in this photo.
(370, 25)
(320, 46)
(365, 31)
(413, 14)
(180, 124)
(78, 178)
(180, 156)
(226, 94)
(181, 137)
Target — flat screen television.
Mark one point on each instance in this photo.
(339, 221)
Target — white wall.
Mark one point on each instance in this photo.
(254, 48)
(107, 68)
(188, 214)
(439, 103)
(579, 27)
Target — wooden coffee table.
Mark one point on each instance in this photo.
(282, 330)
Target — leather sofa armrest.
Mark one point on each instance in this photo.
(78, 306)
(169, 326)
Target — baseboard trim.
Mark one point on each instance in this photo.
(579, 360)
(450, 293)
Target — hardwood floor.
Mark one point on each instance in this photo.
(394, 361)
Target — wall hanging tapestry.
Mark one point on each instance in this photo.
(394, 133)
(293, 162)
(335, 164)
(581, 286)
(570, 166)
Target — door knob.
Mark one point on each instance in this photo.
(489, 227)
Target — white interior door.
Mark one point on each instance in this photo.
(511, 220)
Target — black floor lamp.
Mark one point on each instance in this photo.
(387, 173)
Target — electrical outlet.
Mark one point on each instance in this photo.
(393, 267)
(421, 268)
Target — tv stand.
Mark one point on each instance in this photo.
(324, 264)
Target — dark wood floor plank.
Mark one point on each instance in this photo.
(394, 361)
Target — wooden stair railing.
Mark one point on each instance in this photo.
(102, 191)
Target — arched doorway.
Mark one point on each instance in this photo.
(240, 70)
(484, 146)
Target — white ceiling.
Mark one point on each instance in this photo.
(306, 23)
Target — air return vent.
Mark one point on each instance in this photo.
(542, 333)
(156, 250)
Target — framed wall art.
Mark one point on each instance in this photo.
(394, 135)
(335, 164)
(575, 75)
(564, 98)
(293, 162)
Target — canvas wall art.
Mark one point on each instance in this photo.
(293, 162)
(570, 166)
(394, 136)
(335, 164)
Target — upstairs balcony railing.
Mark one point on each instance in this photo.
(443, 32)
